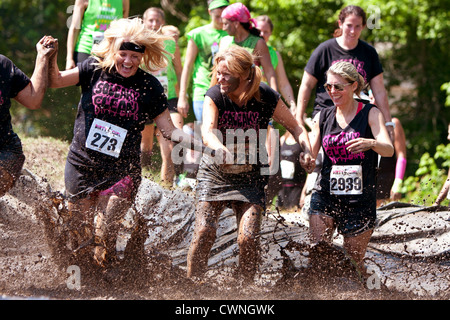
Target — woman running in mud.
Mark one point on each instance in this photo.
(238, 106)
(103, 170)
(28, 92)
(352, 135)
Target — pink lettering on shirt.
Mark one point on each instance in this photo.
(334, 146)
(115, 99)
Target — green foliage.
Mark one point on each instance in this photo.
(425, 185)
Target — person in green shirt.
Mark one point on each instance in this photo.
(154, 19)
(265, 25)
(242, 31)
(202, 45)
(89, 21)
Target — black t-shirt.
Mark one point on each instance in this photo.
(12, 81)
(364, 57)
(213, 183)
(254, 115)
(333, 139)
(124, 102)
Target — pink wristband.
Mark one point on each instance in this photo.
(400, 168)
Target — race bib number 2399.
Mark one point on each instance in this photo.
(106, 138)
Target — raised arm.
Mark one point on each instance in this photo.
(33, 94)
(61, 79)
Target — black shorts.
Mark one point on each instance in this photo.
(79, 57)
(173, 108)
(12, 157)
(350, 218)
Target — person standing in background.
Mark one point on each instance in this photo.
(169, 77)
(203, 44)
(90, 19)
(345, 46)
(242, 31)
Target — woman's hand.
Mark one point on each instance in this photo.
(307, 162)
(360, 145)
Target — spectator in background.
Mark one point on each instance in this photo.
(203, 44)
(169, 77)
(90, 19)
(265, 25)
(345, 46)
(242, 31)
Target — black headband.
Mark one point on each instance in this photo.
(132, 47)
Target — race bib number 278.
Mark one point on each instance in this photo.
(106, 138)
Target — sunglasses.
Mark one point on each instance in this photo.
(337, 86)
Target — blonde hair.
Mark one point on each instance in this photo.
(348, 71)
(240, 62)
(131, 30)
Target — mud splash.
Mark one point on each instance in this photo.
(156, 235)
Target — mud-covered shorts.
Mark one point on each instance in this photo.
(12, 157)
(350, 217)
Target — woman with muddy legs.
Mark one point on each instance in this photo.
(237, 91)
(28, 92)
(352, 135)
(103, 170)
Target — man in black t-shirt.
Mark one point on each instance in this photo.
(14, 84)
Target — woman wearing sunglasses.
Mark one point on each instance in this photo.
(352, 136)
(345, 46)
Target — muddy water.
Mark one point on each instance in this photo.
(33, 264)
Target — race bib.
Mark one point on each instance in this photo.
(106, 138)
(346, 180)
(287, 169)
(165, 83)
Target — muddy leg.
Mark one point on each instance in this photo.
(249, 226)
(356, 247)
(206, 217)
(6, 181)
(110, 212)
(81, 222)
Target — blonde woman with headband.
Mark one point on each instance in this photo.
(103, 170)
(237, 106)
(352, 136)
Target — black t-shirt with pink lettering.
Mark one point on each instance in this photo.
(333, 139)
(364, 57)
(214, 184)
(124, 103)
(12, 81)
